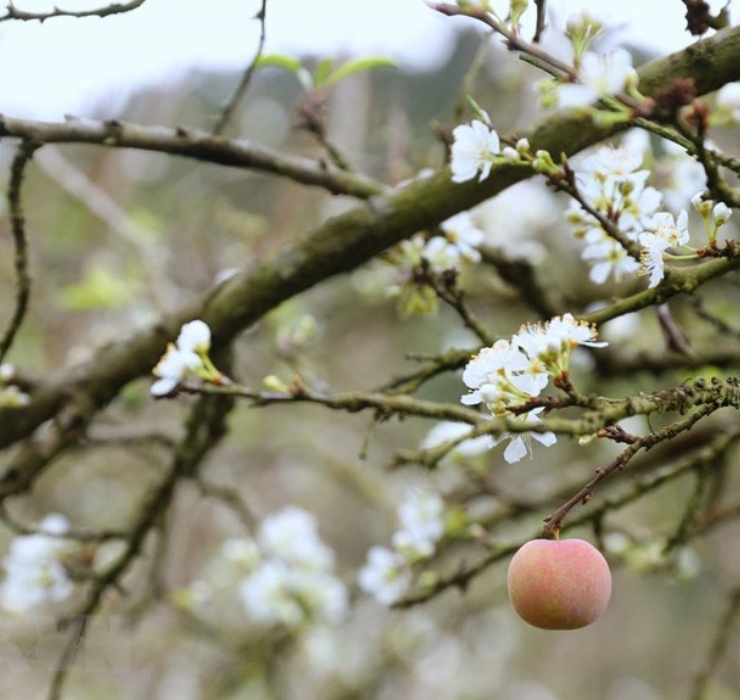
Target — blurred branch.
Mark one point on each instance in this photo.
(521, 275)
(241, 89)
(73, 181)
(204, 430)
(23, 156)
(12, 12)
(191, 143)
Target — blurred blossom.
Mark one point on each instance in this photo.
(291, 534)
(448, 431)
(728, 103)
(268, 596)
(422, 515)
(461, 232)
(12, 397)
(598, 76)
(678, 176)
(513, 227)
(34, 568)
(385, 575)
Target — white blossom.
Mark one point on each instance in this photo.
(520, 444)
(472, 151)
(34, 569)
(447, 431)
(461, 232)
(651, 258)
(608, 257)
(674, 231)
(422, 515)
(291, 535)
(195, 336)
(598, 75)
(320, 593)
(385, 575)
(722, 214)
(172, 368)
(267, 595)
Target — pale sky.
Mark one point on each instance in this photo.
(63, 66)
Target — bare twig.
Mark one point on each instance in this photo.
(205, 428)
(117, 8)
(238, 95)
(18, 227)
(541, 20)
(554, 522)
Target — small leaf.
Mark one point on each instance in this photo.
(357, 65)
(321, 72)
(289, 63)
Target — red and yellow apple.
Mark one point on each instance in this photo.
(559, 584)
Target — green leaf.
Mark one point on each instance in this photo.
(357, 65)
(289, 63)
(478, 112)
(281, 61)
(321, 72)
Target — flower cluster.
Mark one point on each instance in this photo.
(187, 357)
(34, 568)
(387, 575)
(515, 371)
(663, 232)
(597, 76)
(610, 182)
(410, 259)
(285, 573)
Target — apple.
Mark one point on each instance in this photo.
(559, 584)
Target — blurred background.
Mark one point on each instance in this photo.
(118, 237)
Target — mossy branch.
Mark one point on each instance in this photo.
(337, 246)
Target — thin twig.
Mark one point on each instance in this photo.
(23, 156)
(205, 428)
(229, 108)
(541, 19)
(554, 522)
(116, 8)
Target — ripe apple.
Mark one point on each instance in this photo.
(559, 584)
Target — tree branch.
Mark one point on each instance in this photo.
(337, 246)
(243, 86)
(191, 143)
(117, 8)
